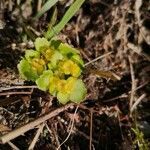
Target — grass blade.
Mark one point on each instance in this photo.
(68, 15)
(53, 18)
(45, 8)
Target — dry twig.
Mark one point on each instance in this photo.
(71, 128)
(15, 93)
(52, 130)
(17, 87)
(39, 131)
(14, 147)
(133, 84)
(137, 102)
(15, 133)
(96, 59)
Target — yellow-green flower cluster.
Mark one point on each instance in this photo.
(38, 65)
(69, 67)
(55, 67)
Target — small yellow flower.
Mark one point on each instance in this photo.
(54, 81)
(70, 84)
(38, 65)
(68, 67)
(65, 86)
(61, 86)
(42, 62)
(48, 54)
(76, 71)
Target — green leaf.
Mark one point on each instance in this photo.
(29, 32)
(78, 92)
(50, 66)
(55, 43)
(41, 43)
(63, 98)
(43, 81)
(67, 50)
(53, 18)
(53, 85)
(77, 59)
(63, 48)
(45, 8)
(55, 58)
(26, 71)
(30, 54)
(67, 16)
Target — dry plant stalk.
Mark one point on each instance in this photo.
(15, 133)
(35, 139)
(13, 146)
(137, 102)
(71, 128)
(133, 83)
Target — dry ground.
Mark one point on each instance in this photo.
(113, 37)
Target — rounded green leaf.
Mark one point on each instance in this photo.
(53, 85)
(63, 98)
(78, 92)
(55, 58)
(41, 43)
(67, 50)
(44, 80)
(30, 54)
(50, 66)
(55, 43)
(26, 71)
(77, 59)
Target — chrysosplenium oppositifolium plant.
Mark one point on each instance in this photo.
(54, 67)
